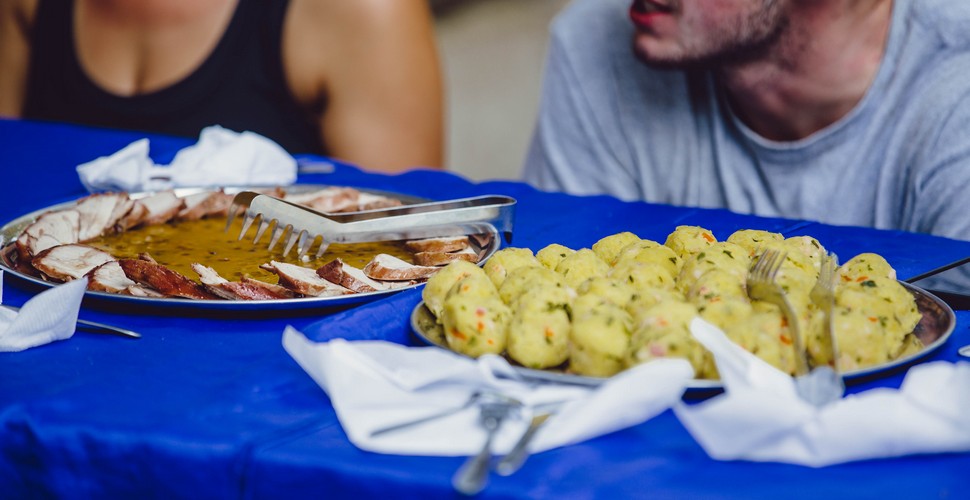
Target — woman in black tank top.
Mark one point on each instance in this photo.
(241, 84)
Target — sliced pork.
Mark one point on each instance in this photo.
(332, 199)
(390, 268)
(206, 204)
(69, 262)
(304, 281)
(99, 213)
(162, 207)
(367, 201)
(233, 290)
(339, 272)
(440, 245)
(168, 282)
(110, 277)
(49, 230)
(279, 292)
(444, 258)
(134, 213)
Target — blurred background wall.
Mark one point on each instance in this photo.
(492, 53)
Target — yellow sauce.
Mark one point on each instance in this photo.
(179, 244)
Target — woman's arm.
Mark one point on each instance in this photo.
(16, 17)
(372, 68)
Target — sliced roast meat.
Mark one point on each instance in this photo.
(99, 213)
(444, 258)
(447, 244)
(162, 207)
(233, 290)
(49, 230)
(386, 267)
(330, 200)
(304, 280)
(278, 292)
(69, 262)
(110, 277)
(368, 201)
(168, 282)
(134, 213)
(339, 272)
(206, 204)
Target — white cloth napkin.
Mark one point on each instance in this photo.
(51, 315)
(374, 384)
(221, 157)
(760, 417)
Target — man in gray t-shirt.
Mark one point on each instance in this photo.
(844, 112)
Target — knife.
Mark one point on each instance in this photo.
(92, 327)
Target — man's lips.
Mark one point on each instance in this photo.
(642, 12)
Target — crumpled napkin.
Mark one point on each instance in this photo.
(221, 157)
(374, 384)
(51, 315)
(761, 418)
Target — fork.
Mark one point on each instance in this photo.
(823, 296)
(817, 385)
(472, 476)
(762, 285)
(520, 452)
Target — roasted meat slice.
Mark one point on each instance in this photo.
(69, 262)
(439, 245)
(162, 207)
(163, 279)
(339, 272)
(49, 230)
(332, 199)
(444, 258)
(386, 267)
(234, 290)
(280, 292)
(304, 281)
(133, 213)
(110, 277)
(99, 213)
(367, 201)
(205, 204)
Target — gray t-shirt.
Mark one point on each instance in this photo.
(899, 160)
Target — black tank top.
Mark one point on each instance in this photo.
(240, 85)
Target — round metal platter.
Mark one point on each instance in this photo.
(10, 231)
(933, 330)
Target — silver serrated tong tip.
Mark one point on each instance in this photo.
(303, 228)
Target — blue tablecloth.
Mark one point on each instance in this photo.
(214, 407)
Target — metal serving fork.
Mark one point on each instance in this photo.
(472, 476)
(301, 226)
(762, 285)
(818, 385)
(823, 296)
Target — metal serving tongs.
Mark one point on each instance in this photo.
(301, 227)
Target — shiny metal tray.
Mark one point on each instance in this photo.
(11, 230)
(933, 331)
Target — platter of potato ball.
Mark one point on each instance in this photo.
(582, 315)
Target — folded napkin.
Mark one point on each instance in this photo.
(374, 384)
(221, 157)
(761, 418)
(51, 315)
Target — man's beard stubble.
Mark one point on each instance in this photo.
(732, 53)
